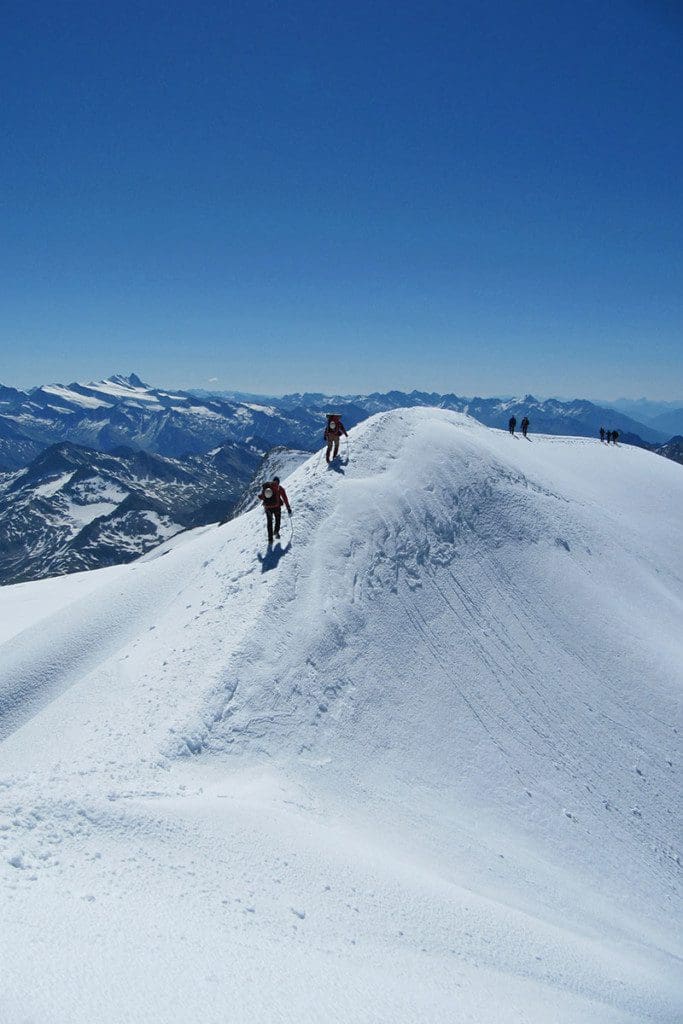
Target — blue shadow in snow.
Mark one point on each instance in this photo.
(272, 556)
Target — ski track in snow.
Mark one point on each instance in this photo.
(417, 764)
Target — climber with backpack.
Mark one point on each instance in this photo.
(274, 496)
(333, 432)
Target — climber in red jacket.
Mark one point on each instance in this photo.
(274, 496)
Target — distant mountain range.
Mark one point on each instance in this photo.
(662, 416)
(96, 474)
(548, 416)
(125, 411)
(74, 508)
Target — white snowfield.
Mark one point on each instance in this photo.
(419, 764)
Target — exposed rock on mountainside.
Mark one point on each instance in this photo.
(16, 450)
(74, 508)
(124, 410)
(673, 449)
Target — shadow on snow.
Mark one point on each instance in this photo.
(272, 556)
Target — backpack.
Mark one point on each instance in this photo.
(333, 423)
(270, 493)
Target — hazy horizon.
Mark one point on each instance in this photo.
(218, 387)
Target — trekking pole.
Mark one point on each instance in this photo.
(347, 447)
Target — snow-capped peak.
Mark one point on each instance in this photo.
(131, 381)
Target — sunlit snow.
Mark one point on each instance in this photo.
(416, 763)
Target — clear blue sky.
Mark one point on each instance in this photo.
(480, 197)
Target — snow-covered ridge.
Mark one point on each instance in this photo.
(417, 763)
(75, 397)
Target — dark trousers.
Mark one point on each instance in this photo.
(273, 516)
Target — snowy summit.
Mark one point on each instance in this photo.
(418, 762)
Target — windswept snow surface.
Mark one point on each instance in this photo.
(418, 763)
(23, 604)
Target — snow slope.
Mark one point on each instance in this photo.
(418, 763)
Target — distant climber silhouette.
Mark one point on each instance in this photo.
(512, 423)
